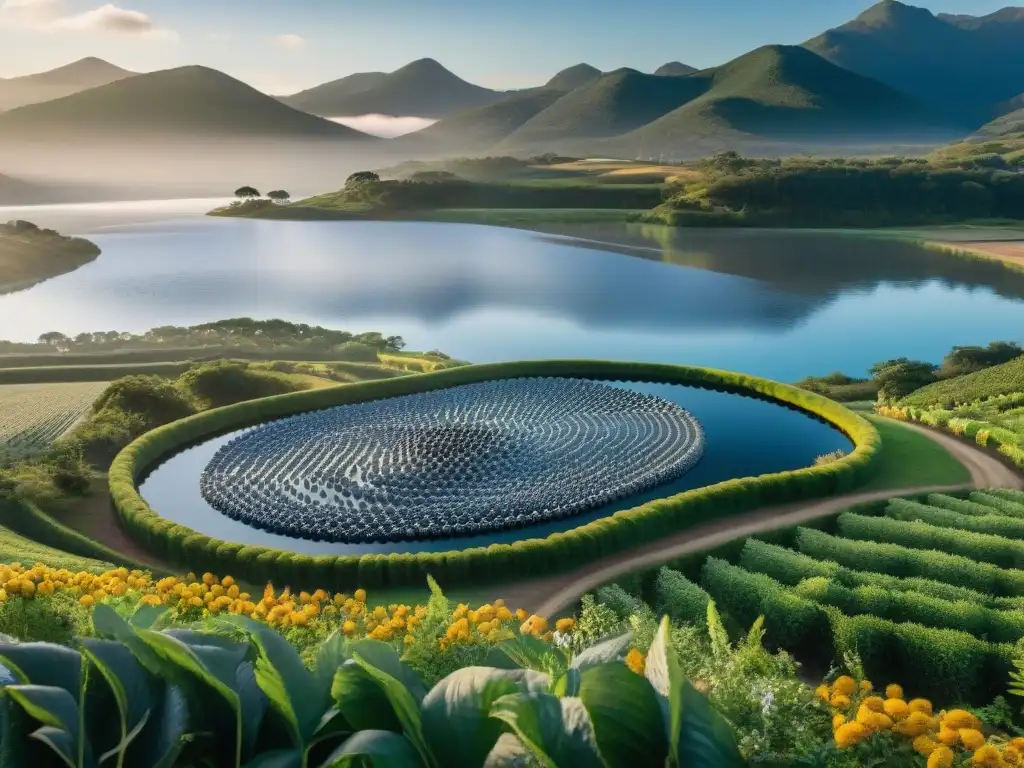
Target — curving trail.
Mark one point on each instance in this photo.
(555, 593)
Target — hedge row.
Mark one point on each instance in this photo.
(26, 519)
(679, 598)
(963, 506)
(1017, 497)
(995, 524)
(982, 547)
(1002, 505)
(523, 559)
(983, 623)
(790, 568)
(945, 665)
(903, 561)
(984, 433)
(619, 600)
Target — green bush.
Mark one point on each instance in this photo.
(978, 546)
(525, 558)
(679, 598)
(790, 621)
(783, 565)
(995, 524)
(1017, 497)
(619, 600)
(999, 503)
(941, 664)
(903, 561)
(963, 506)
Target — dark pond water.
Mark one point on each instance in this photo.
(744, 437)
(780, 304)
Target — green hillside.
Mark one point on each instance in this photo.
(1009, 124)
(998, 380)
(57, 83)
(787, 92)
(422, 88)
(187, 102)
(482, 127)
(571, 78)
(675, 69)
(321, 99)
(964, 64)
(611, 105)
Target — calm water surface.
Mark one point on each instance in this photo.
(744, 437)
(778, 304)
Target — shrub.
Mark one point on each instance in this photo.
(619, 600)
(977, 546)
(997, 525)
(355, 352)
(679, 598)
(783, 565)
(999, 503)
(963, 506)
(902, 561)
(226, 382)
(152, 397)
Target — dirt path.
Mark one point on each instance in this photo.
(549, 595)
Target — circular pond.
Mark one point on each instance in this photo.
(472, 459)
(653, 447)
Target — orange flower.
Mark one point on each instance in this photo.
(635, 661)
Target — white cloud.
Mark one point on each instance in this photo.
(51, 16)
(289, 42)
(217, 37)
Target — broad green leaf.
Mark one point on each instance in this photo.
(456, 712)
(254, 705)
(183, 658)
(122, 746)
(165, 734)
(607, 650)
(60, 742)
(627, 719)
(129, 682)
(146, 616)
(382, 749)
(204, 640)
(278, 758)
(330, 655)
(383, 657)
(361, 701)
(403, 701)
(706, 738)
(44, 664)
(529, 652)
(556, 731)
(108, 623)
(14, 724)
(509, 752)
(661, 668)
(58, 711)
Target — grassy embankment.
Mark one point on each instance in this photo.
(29, 254)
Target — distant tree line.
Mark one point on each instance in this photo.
(245, 194)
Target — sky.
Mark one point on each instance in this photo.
(282, 46)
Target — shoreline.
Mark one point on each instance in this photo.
(62, 257)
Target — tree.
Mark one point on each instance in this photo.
(359, 178)
(54, 339)
(899, 377)
(964, 360)
(245, 193)
(279, 195)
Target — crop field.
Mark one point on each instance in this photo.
(932, 589)
(32, 416)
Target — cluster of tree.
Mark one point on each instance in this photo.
(445, 190)
(239, 332)
(896, 378)
(893, 189)
(251, 193)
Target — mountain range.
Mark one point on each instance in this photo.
(63, 81)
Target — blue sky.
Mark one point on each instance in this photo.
(285, 45)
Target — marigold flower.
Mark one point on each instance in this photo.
(960, 718)
(845, 685)
(87, 601)
(915, 724)
(874, 703)
(635, 661)
(920, 705)
(851, 734)
(839, 701)
(1011, 755)
(1017, 743)
(360, 595)
(948, 736)
(972, 738)
(865, 686)
(988, 756)
(522, 614)
(925, 745)
(942, 757)
(896, 708)
(838, 721)
(822, 692)
(893, 691)
(565, 625)
(349, 627)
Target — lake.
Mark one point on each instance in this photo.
(780, 304)
(743, 437)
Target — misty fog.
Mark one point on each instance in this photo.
(385, 126)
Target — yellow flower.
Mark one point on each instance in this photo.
(635, 661)
(960, 718)
(565, 625)
(988, 756)
(822, 693)
(924, 745)
(920, 705)
(865, 686)
(360, 595)
(896, 708)
(838, 721)
(971, 738)
(942, 757)
(349, 627)
(87, 601)
(915, 724)
(839, 701)
(845, 685)
(851, 734)
(893, 691)
(948, 736)
(209, 579)
(874, 703)
(1011, 755)
(521, 614)
(1017, 743)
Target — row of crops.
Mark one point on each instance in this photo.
(32, 416)
(930, 591)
